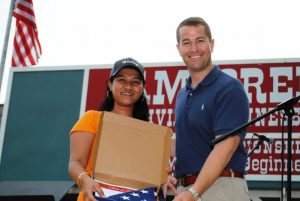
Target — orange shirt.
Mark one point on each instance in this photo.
(89, 122)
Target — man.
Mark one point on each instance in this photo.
(212, 104)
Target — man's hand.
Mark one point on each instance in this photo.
(184, 196)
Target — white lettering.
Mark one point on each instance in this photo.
(255, 164)
(246, 74)
(267, 148)
(151, 112)
(264, 166)
(162, 77)
(273, 118)
(277, 96)
(160, 117)
(270, 165)
(296, 117)
(169, 122)
(297, 165)
(259, 112)
(278, 147)
(297, 146)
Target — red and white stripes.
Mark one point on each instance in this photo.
(27, 48)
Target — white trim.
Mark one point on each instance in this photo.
(84, 91)
(272, 135)
(160, 64)
(259, 177)
(4, 113)
(256, 194)
(257, 61)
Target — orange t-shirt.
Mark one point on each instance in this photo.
(89, 122)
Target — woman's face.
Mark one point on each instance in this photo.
(126, 87)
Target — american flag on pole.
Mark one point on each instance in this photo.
(27, 49)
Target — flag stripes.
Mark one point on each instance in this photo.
(27, 48)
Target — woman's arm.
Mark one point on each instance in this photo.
(80, 146)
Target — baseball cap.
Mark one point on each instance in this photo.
(127, 62)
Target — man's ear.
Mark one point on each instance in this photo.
(178, 48)
(212, 44)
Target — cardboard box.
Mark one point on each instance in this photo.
(131, 152)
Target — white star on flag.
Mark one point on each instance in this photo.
(144, 191)
(125, 197)
(148, 194)
(135, 194)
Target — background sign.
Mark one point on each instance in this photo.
(266, 85)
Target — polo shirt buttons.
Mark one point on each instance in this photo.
(191, 94)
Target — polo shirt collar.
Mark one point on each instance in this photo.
(211, 77)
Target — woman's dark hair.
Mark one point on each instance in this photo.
(140, 110)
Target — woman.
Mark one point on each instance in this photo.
(125, 96)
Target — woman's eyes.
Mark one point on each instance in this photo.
(134, 81)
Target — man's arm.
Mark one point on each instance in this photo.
(213, 167)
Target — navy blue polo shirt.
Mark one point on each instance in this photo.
(215, 107)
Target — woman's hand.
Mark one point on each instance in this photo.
(170, 183)
(89, 186)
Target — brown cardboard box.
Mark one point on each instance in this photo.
(131, 152)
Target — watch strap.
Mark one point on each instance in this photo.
(194, 193)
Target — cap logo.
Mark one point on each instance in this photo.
(132, 62)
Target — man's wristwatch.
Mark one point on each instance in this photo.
(194, 193)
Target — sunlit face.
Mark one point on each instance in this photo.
(195, 48)
(127, 87)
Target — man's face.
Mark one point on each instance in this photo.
(195, 48)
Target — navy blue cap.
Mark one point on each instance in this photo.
(130, 63)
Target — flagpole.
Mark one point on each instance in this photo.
(5, 44)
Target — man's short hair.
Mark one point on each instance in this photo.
(194, 21)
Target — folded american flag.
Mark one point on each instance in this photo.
(147, 194)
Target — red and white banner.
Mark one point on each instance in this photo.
(266, 84)
(27, 49)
